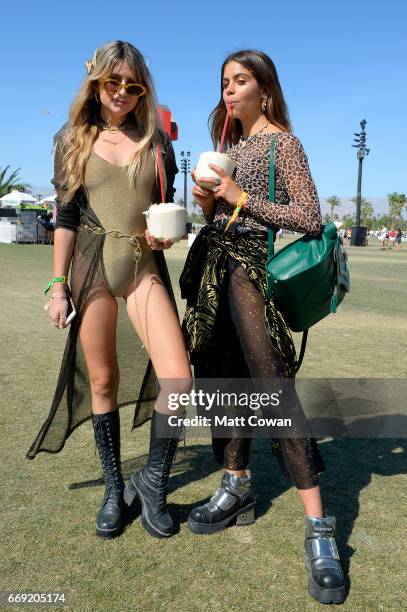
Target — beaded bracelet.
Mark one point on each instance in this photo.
(56, 279)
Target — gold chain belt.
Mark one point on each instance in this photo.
(132, 238)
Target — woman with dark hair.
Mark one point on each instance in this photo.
(231, 328)
(106, 177)
(399, 235)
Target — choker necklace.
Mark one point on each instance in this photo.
(107, 127)
(115, 129)
(245, 139)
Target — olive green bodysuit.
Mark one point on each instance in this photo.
(119, 206)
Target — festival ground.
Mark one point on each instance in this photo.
(49, 504)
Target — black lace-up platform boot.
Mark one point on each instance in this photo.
(150, 483)
(110, 518)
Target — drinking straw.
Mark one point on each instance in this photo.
(160, 172)
(225, 125)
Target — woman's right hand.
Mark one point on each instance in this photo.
(204, 197)
(58, 310)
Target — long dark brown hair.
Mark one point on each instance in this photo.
(265, 73)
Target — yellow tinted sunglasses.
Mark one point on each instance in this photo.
(113, 86)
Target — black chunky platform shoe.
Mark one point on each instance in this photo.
(234, 503)
(326, 581)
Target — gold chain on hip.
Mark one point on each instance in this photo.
(134, 241)
(132, 238)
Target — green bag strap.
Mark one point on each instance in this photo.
(272, 195)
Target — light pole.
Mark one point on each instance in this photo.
(359, 233)
(185, 169)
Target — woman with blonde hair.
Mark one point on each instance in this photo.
(232, 329)
(106, 176)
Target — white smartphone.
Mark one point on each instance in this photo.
(71, 314)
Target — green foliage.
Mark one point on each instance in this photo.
(378, 222)
(348, 221)
(11, 182)
(366, 212)
(31, 207)
(333, 201)
(196, 218)
(397, 201)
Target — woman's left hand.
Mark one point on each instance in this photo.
(227, 190)
(155, 244)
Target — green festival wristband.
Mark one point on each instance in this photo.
(56, 279)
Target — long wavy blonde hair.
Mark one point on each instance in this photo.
(84, 115)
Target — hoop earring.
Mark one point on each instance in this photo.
(264, 103)
(97, 97)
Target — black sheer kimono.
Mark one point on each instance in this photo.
(71, 404)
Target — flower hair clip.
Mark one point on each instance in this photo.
(90, 64)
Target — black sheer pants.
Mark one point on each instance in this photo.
(298, 457)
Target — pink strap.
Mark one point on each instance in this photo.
(160, 172)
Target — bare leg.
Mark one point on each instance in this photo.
(311, 500)
(155, 321)
(98, 339)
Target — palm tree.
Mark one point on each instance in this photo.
(397, 201)
(7, 184)
(333, 201)
(348, 221)
(366, 210)
(366, 213)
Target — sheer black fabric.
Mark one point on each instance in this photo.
(71, 404)
(231, 330)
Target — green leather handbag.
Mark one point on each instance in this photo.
(308, 277)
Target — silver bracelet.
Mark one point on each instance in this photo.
(58, 295)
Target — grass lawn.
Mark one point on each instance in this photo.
(49, 504)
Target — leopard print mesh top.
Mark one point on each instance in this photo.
(294, 186)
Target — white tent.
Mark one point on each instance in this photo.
(50, 201)
(15, 198)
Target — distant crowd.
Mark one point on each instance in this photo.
(387, 238)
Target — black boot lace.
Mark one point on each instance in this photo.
(110, 459)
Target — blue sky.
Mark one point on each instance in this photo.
(337, 64)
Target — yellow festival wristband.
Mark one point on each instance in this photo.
(239, 205)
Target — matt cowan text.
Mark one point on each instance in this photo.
(219, 421)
